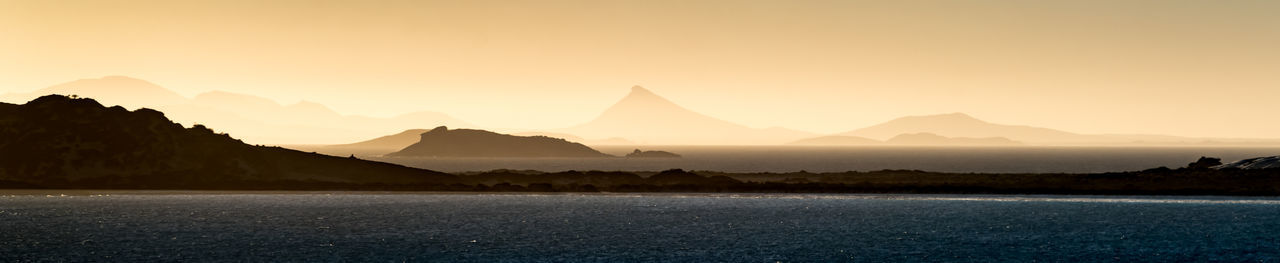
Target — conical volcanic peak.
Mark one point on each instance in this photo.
(647, 118)
(638, 91)
(642, 99)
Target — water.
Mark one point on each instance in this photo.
(840, 159)
(173, 226)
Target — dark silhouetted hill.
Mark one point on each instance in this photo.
(651, 154)
(62, 142)
(443, 142)
(930, 139)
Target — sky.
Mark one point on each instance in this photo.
(1190, 68)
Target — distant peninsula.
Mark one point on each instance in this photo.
(443, 142)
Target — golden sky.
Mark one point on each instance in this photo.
(1191, 68)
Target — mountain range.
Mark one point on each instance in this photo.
(639, 118)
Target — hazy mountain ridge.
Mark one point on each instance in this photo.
(837, 140)
(128, 92)
(57, 141)
(962, 125)
(253, 118)
(443, 142)
(906, 139)
(930, 139)
(959, 125)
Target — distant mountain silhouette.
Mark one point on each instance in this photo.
(443, 142)
(959, 125)
(250, 117)
(56, 141)
(395, 141)
(647, 118)
(837, 140)
(930, 139)
(651, 154)
(962, 125)
(908, 139)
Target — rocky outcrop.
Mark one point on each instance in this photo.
(1271, 162)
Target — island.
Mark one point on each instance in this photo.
(651, 154)
(443, 142)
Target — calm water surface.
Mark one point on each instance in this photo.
(177, 226)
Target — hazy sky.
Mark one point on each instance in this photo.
(1196, 68)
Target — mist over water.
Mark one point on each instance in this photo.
(840, 159)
